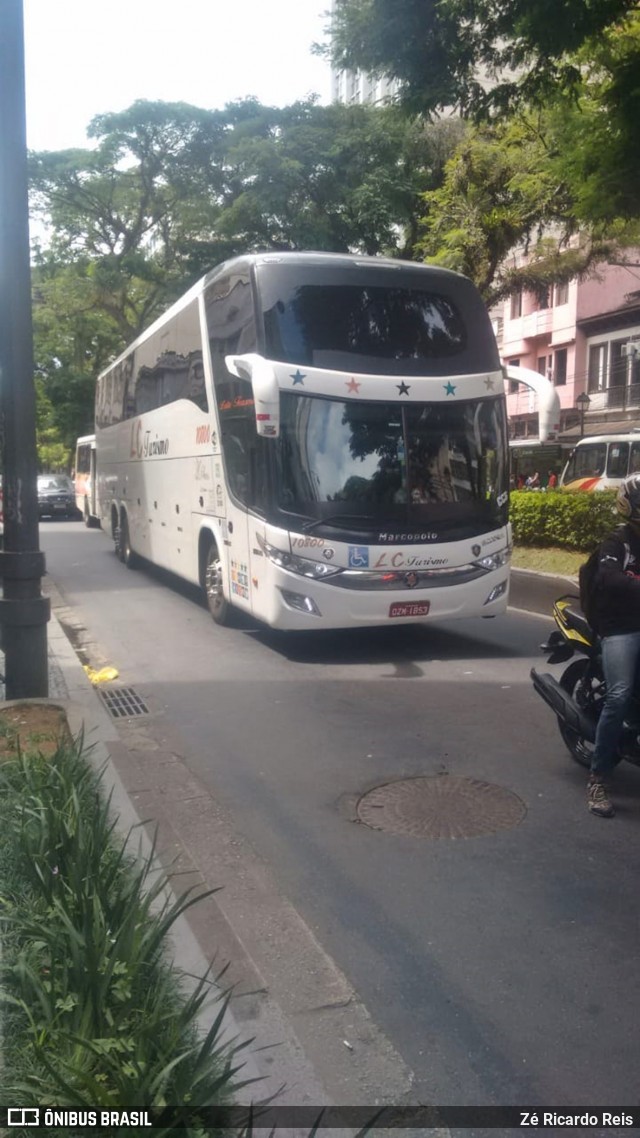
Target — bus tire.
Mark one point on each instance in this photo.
(127, 554)
(116, 531)
(218, 606)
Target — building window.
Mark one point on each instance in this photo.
(543, 300)
(513, 383)
(560, 367)
(516, 305)
(597, 373)
(562, 293)
(619, 363)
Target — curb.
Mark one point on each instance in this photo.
(536, 592)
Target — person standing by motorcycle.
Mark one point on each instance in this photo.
(616, 602)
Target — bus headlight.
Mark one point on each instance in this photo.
(314, 569)
(494, 560)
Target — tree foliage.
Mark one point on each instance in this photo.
(470, 53)
(504, 193)
(578, 61)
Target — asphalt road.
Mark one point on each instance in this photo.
(501, 967)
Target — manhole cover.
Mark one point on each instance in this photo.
(441, 806)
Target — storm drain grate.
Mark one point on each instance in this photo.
(123, 702)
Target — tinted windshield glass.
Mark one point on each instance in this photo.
(418, 464)
(378, 322)
(370, 327)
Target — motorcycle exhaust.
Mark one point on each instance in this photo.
(563, 705)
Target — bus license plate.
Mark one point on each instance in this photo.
(415, 608)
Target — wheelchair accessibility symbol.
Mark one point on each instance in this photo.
(358, 557)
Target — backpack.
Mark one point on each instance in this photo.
(587, 580)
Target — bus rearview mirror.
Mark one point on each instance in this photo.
(266, 393)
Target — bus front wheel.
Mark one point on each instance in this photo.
(219, 608)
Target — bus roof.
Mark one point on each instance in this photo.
(346, 260)
(618, 436)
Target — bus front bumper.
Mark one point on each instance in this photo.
(301, 603)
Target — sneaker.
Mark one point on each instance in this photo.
(598, 800)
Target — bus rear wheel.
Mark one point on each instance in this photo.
(219, 608)
(126, 553)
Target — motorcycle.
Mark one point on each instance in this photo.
(577, 697)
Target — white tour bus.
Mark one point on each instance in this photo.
(602, 462)
(317, 439)
(85, 481)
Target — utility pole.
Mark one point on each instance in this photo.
(24, 612)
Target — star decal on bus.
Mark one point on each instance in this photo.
(403, 389)
(450, 388)
(298, 377)
(489, 383)
(353, 385)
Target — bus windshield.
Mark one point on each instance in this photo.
(587, 461)
(381, 323)
(417, 465)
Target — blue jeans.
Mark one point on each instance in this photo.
(620, 660)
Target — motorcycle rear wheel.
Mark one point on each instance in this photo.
(580, 749)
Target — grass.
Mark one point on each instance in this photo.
(561, 562)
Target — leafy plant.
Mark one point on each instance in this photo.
(560, 518)
(95, 1015)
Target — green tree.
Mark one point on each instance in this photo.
(440, 50)
(593, 131)
(578, 61)
(502, 192)
(335, 178)
(73, 341)
(118, 213)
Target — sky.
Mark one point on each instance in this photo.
(86, 57)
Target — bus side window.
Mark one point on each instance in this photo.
(634, 459)
(618, 460)
(168, 366)
(232, 329)
(83, 460)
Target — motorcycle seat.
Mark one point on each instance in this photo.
(575, 619)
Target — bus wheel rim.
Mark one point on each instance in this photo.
(214, 582)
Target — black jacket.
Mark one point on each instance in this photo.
(617, 583)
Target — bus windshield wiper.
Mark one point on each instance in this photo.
(336, 518)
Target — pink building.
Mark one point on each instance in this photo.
(586, 337)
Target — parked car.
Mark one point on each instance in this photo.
(56, 496)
